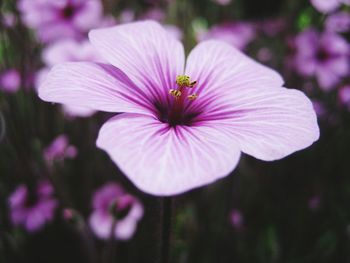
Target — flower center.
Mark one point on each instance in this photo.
(184, 83)
(322, 55)
(68, 11)
(32, 199)
(121, 206)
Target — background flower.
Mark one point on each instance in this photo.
(325, 56)
(54, 20)
(10, 81)
(236, 34)
(59, 149)
(110, 203)
(32, 210)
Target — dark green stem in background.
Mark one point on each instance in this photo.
(111, 245)
(167, 204)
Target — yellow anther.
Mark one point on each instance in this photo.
(183, 81)
(192, 96)
(192, 84)
(175, 93)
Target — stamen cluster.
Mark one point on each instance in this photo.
(183, 82)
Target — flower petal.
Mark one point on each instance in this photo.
(246, 100)
(161, 160)
(149, 55)
(267, 123)
(125, 229)
(219, 69)
(101, 224)
(95, 86)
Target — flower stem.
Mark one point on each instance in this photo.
(109, 251)
(112, 242)
(166, 229)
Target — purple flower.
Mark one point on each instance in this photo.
(167, 141)
(127, 212)
(236, 219)
(69, 50)
(32, 210)
(338, 22)
(320, 109)
(344, 96)
(10, 81)
(60, 18)
(327, 6)
(59, 149)
(325, 56)
(236, 34)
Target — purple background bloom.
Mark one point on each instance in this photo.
(338, 22)
(327, 6)
(236, 34)
(32, 210)
(61, 18)
(128, 210)
(325, 56)
(236, 219)
(344, 96)
(64, 51)
(59, 149)
(10, 81)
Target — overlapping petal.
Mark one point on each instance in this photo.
(161, 160)
(149, 55)
(95, 86)
(246, 100)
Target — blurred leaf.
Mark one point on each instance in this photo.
(304, 19)
(326, 245)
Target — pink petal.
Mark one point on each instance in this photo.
(219, 68)
(325, 6)
(246, 100)
(18, 197)
(125, 229)
(101, 224)
(327, 79)
(146, 52)
(161, 160)
(105, 195)
(34, 221)
(94, 86)
(270, 124)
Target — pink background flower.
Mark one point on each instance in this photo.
(59, 19)
(323, 55)
(32, 215)
(128, 208)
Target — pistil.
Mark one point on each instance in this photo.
(184, 83)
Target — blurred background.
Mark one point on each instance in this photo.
(57, 189)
